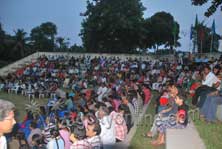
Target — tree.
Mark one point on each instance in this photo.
(37, 38)
(20, 42)
(43, 36)
(162, 29)
(112, 26)
(215, 4)
(2, 34)
(62, 43)
(7, 43)
(77, 49)
(50, 30)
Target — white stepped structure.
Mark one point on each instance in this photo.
(32, 58)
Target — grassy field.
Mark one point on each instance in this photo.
(19, 102)
(139, 141)
(210, 133)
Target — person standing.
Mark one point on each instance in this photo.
(7, 121)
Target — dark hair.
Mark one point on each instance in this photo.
(38, 139)
(54, 132)
(207, 66)
(23, 144)
(104, 109)
(43, 110)
(97, 128)
(92, 120)
(182, 95)
(33, 124)
(170, 83)
(78, 129)
(110, 109)
(124, 108)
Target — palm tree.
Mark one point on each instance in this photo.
(62, 43)
(20, 41)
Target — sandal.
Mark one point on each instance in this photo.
(146, 136)
(149, 134)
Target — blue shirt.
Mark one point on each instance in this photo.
(53, 145)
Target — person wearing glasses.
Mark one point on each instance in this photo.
(7, 121)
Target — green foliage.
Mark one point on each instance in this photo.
(62, 44)
(117, 26)
(215, 4)
(164, 30)
(112, 26)
(20, 43)
(13, 47)
(43, 37)
(77, 49)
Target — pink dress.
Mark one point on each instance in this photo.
(65, 136)
(147, 94)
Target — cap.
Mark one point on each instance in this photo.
(163, 101)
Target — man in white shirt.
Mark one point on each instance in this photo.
(211, 83)
(107, 135)
(101, 91)
(210, 79)
(7, 121)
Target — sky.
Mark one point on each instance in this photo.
(27, 14)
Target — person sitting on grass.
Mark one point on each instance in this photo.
(209, 108)
(178, 121)
(167, 108)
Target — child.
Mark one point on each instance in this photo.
(178, 121)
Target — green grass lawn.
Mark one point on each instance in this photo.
(210, 133)
(20, 102)
(138, 141)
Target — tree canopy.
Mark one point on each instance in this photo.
(215, 4)
(118, 26)
(112, 25)
(43, 36)
(163, 30)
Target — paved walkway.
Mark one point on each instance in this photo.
(187, 138)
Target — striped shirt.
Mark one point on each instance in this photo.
(95, 142)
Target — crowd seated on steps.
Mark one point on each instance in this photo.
(104, 97)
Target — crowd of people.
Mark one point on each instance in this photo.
(94, 102)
